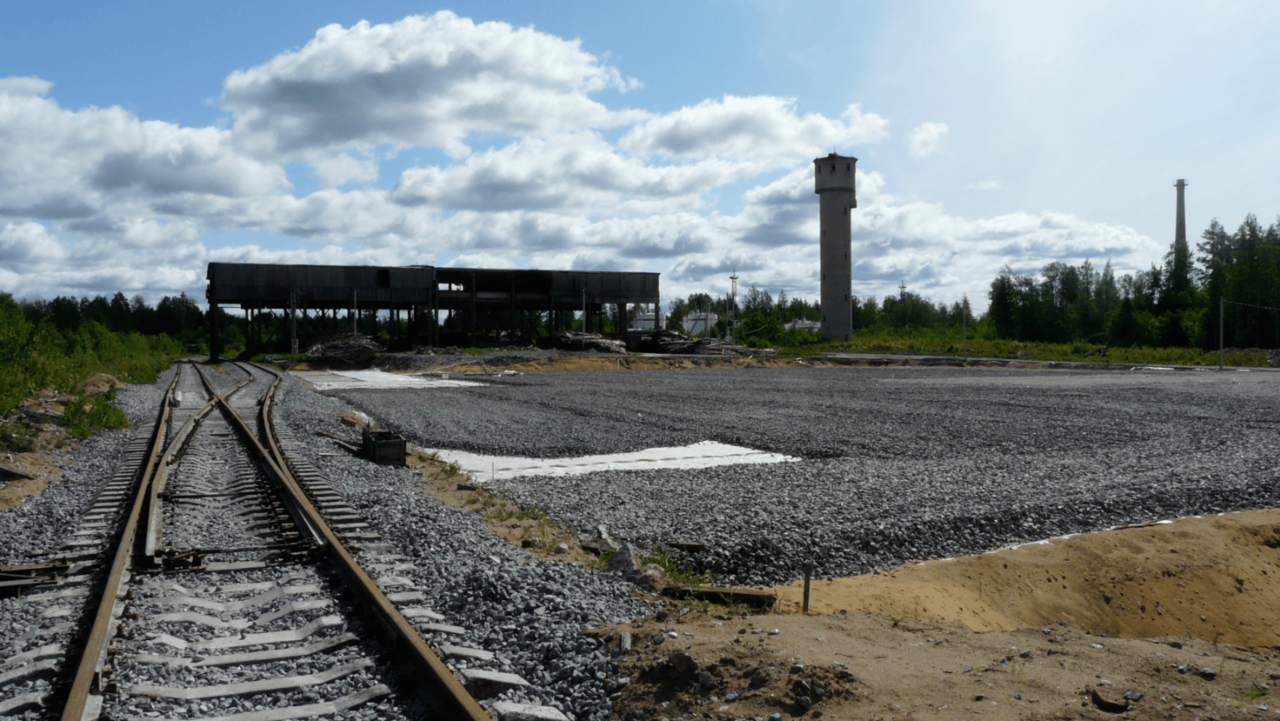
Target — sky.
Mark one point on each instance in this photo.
(141, 141)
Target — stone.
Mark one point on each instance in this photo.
(1105, 702)
(1207, 673)
(652, 578)
(625, 561)
(683, 663)
(805, 702)
(561, 549)
(1133, 695)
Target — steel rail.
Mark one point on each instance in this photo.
(156, 487)
(396, 628)
(88, 671)
(306, 525)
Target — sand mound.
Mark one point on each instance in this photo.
(97, 385)
(1213, 578)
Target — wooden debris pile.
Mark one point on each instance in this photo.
(348, 347)
(575, 340)
(667, 341)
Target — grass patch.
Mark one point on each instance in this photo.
(86, 416)
(1254, 693)
(16, 437)
(674, 572)
(950, 343)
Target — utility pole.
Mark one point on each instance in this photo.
(964, 322)
(902, 301)
(733, 307)
(1221, 317)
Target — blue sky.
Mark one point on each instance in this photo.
(137, 145)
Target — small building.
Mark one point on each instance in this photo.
(812, 326)
(644, 321)
(699, 323)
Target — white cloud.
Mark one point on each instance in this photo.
(337, 170)
(425, 81)
(59, 164)
(17, 87)
(763, 131)
(569, 172)
(987, 185)
(28, 246)
(924, 139)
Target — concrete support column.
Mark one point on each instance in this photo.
(213, 332)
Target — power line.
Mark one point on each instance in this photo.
(1249, 305)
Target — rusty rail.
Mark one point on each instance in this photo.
(156, 486)
(88, 672)
(396, 629)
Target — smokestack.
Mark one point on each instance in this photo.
(1180, 229)
(833, 182)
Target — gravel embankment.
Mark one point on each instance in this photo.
(898, 464)
(530, 613)
(42, 523)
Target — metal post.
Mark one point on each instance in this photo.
(808, 571)
(354, 314)
(964, 320)
(293, 321)
(1221, 323)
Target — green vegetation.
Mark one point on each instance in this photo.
(86, 415)
(1253, 693)
(950, 342)
(36, 355)
(672, 569)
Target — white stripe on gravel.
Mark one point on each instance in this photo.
(699, 455)
(373, 378)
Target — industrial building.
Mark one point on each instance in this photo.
(420, 294)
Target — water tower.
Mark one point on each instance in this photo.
(833, 182)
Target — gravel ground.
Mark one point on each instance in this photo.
(898, 464)
(529, 613)
(44, 522)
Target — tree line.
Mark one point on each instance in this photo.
(1172, 304)
(1175, 304)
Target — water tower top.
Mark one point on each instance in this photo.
(834, 172)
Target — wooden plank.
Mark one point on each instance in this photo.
(723, 594)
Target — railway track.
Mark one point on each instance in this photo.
(218, 576)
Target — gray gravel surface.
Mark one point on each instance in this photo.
(529, 613)
(42, 523)
(45, 522)
(897, 463)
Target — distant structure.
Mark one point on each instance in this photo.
(833, 182)
(419, 294)
(1180, 229)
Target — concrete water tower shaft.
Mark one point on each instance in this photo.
(833, 182)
